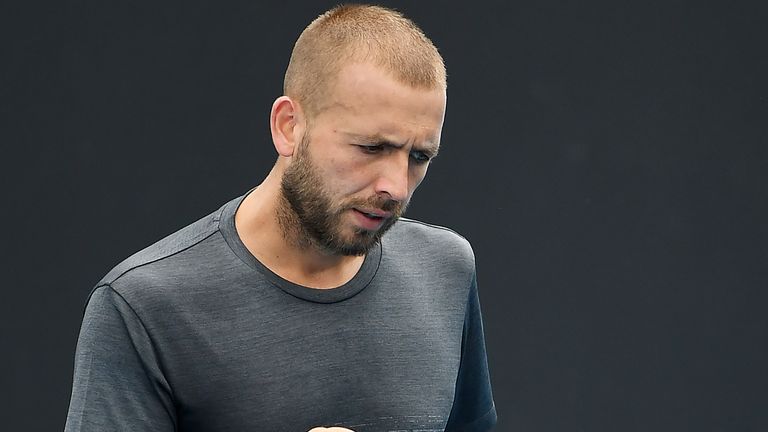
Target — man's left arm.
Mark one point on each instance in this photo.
(473, 408)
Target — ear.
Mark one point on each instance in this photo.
(286, 122)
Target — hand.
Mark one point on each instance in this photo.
(331, 429)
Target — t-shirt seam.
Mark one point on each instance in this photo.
(160, 258)
(155, 351)
(418, 222)
(449, 230)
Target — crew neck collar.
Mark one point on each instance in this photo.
(331, 295)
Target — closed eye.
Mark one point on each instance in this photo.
(420, 157)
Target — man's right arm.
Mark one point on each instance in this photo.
(118, 383)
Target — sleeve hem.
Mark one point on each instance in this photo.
(482, 423)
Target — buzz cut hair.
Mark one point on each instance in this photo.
(357, 33)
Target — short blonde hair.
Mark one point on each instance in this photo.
(360, 33)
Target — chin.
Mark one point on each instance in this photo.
(356, 248)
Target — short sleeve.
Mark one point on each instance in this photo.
(118, 384)
(473, 407)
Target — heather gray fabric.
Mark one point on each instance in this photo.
(194, 334)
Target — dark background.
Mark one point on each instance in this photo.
(608, 161)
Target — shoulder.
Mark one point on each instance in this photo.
(436, 241)
(414, 231)
(165, 262)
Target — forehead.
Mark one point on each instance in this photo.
(367, 100)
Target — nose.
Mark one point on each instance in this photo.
(393, 178)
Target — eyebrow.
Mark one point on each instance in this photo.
(431, 149)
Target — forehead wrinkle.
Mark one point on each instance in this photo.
(334, 104)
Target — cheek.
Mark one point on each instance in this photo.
(417, 175)
(345, 177)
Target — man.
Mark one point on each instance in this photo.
(289, 308)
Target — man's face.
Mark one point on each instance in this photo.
(355, 171)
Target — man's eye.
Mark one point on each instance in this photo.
(420, 157)
(371, 149)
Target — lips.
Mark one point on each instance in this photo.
(370, 219)
(374, 213)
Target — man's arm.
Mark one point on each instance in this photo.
(473, 408)
(118, 384)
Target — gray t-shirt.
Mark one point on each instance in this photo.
(194, 334)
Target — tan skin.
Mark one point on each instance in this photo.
(346, 147)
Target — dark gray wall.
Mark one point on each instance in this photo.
(608, 161)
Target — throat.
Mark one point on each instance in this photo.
(311, 273)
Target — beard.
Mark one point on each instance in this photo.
(309, 216)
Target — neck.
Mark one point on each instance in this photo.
(272, 233)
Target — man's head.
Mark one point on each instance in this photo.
(360, 121)
(359, 34)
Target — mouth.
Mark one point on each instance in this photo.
(371, 219)
(375, 213)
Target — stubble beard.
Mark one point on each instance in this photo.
(308, 216)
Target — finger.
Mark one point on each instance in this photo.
(331, 429)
